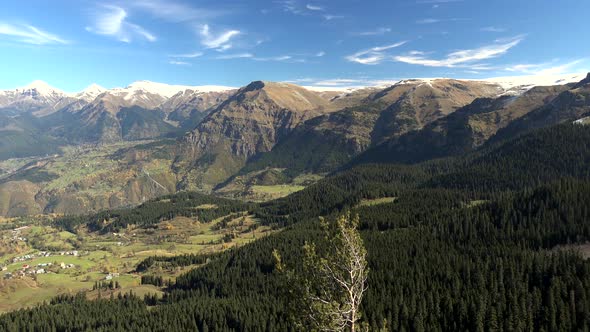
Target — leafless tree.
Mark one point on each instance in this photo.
(328, 289)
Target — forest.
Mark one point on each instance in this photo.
(481, 242)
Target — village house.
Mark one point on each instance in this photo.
(110, 276)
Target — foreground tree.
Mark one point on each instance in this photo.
(328, 288)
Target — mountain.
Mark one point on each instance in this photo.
(463, 130)
(36, 97)
(23, 136)
(568, 106)
(262, 141)
(189, 107)
(90, 93)
(250, 122)
(138, 111)
(326, 142)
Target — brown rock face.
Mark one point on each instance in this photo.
(250, 122)
(416, 103)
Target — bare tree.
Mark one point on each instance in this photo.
(328, 289)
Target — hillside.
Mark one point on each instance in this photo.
(250, 122)
(324, 143)
(464, 130)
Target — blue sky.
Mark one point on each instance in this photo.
(73, 43)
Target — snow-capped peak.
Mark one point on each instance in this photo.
(530, 81)
(168, 91)
(41, 87)
(90, 93)
(94, 89)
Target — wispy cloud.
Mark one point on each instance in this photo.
(462, 57)
(330, 17)
(219, 41)
(428, 21)
(275, 58)
(320, 54)
(235, 56)
(373, 56)
(430, 2)
(179, 63)
(112, 21)
(290, 6)
(437, 20)
(188, 55)
(493, 29)
(174, 11)
(314, 7)
(297, 8)
(29, 34)
(376, 32)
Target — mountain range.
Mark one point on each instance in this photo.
(104, 148)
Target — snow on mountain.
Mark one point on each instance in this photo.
(34, 97)
(168, 91)
(90, 93)
(536, 80)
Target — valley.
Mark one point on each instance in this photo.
(124, 146)
(40, 260)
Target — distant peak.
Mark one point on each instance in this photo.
(41, 87)
(256, 85)
(94, 88)
(583, 82)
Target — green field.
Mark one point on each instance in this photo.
(377, 201)
(101, 254)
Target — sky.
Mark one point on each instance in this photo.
(73, 43)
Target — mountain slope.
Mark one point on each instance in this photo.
(253, 120)
(569, 106)
(463, 130)
(324, 143)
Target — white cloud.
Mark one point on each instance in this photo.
(235, 56)
(179, 63)
(29, 34)
(436, 20)
(188, 55)
(329, 17)
(437, 1)
(276, 58)
(220, 41)
(373, 56)
(320, 54)
(173, 11)
(111, 21)
(493, 29)
(376, 32)
(290, 6)
(428, 21)
(314, 7)
(462, 57)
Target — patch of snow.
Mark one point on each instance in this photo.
(332, 88)
(90, 93)
(41, 87)
(167, 91)
(528, 82)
